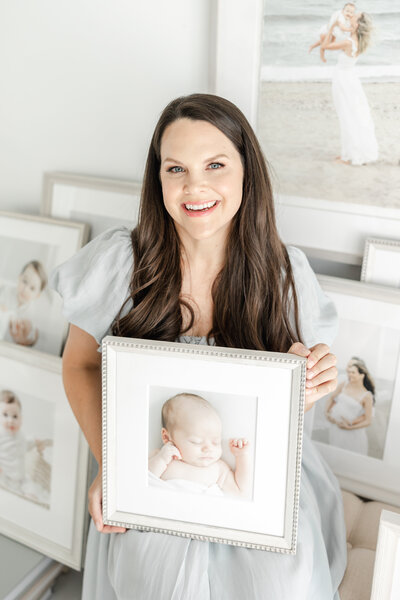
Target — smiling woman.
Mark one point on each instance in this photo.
(208, 268)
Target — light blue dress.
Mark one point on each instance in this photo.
(152, 566)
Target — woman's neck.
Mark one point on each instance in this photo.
(206, 255)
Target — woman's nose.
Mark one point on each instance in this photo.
(195, 183)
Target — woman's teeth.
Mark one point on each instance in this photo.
(200, 206)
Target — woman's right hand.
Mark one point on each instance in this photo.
(95, 496)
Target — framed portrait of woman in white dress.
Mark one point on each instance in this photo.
(356, 426)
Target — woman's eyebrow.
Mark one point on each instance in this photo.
(211, 159)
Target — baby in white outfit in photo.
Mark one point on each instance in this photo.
(341, 31)
(190, 458)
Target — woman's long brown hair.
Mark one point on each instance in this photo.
(254, 294)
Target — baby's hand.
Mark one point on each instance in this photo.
(238, 446)
(170, 452)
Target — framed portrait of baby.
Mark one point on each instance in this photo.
(203, 442)
(357, 426)
(99, 202)
(30, 247)
(43, 457)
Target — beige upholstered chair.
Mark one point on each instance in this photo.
(362, 525)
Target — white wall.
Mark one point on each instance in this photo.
(82, 83)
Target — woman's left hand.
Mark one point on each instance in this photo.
(321, 374)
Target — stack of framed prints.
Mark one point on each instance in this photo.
(43, 456)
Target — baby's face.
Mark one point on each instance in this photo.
(198, 438)
(348, 11)
(10, 417)
(29, 285)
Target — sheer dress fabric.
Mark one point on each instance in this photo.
(357, 131)
(142, 565)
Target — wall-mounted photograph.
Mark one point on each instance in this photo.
(356, 425)
(30, 247)
(216, 435)
(328, 110)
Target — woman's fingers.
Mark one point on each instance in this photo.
(316, 354)
(299, 349)
(95, 508)
(322, 372)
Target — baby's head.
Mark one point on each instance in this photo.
(10, 412)
(194, 427)
(31, 282)
(349, 10)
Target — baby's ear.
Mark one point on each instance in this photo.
(165, 436)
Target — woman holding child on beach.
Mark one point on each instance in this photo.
(357, 131)
(205, 265)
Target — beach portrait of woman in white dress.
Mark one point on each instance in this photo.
(349, 409)
(329, 103)
(357, 131)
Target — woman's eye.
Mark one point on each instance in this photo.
(215, 165)
(175, 170)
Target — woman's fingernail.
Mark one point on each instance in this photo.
(310, 363)
(309, 384)
(310, 374)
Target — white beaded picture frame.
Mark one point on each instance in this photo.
(258, 396)
(381, 262)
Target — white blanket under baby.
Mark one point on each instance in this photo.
(185, 485)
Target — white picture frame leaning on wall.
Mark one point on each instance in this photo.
(381, 262)
(386, 581)
(258, 397)
(356, 427)
(99, 202)
(333, 233)
(43, 458)
(30, 248)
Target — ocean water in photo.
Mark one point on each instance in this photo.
(290, 27)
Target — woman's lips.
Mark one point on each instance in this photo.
(197, 209)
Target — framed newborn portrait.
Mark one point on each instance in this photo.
(203, 442)
(43, 458)
(357, 426)
(381, 263)
(30, 248)
(100, 203)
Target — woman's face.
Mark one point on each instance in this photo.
(201, 176)
(354, 375)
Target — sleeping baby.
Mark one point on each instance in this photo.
(190, 458)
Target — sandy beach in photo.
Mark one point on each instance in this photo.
(299, 132)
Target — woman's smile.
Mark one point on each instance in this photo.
(198, 209)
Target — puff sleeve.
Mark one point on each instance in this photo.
(317, 312)
(94, 282)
